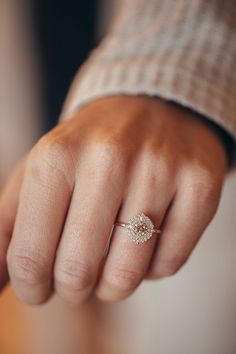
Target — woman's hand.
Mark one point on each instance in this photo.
(116, 157)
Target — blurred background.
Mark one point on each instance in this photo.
(42, 44)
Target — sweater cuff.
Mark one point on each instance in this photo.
(170, 82)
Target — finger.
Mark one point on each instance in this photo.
(96, 200)
(44, 199)
(127, 262)
(8, 208)
(195, 204)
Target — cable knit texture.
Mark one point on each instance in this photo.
(182, 50)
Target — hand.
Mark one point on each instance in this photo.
(114, 158)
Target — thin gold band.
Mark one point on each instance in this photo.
(158, 231)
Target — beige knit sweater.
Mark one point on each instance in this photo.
(180, 50)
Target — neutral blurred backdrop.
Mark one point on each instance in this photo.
(192, 312)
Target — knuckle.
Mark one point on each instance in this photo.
(73, 276)
(111, 161)
(109, 153)
(124, 280)
(50, 157)
(164, 164)
(159, 169)
(50, 148)
(27, 269)
(206, 188)
(114, 140)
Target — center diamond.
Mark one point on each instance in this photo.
(140, 228)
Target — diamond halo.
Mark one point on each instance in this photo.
(140, 228)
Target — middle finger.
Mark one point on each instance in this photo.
(95, 202)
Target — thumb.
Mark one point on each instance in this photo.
(9, 197)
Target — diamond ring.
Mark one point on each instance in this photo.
(139, 228)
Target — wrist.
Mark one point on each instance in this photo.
(224, 137)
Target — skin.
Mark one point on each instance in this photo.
(112, 159)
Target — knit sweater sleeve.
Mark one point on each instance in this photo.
(183, 51)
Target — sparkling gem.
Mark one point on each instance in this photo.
(140, 228)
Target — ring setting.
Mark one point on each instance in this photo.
(139, 228)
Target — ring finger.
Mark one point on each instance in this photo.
(151, 192)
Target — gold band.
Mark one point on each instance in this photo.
(139, 227)
(157, 231)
